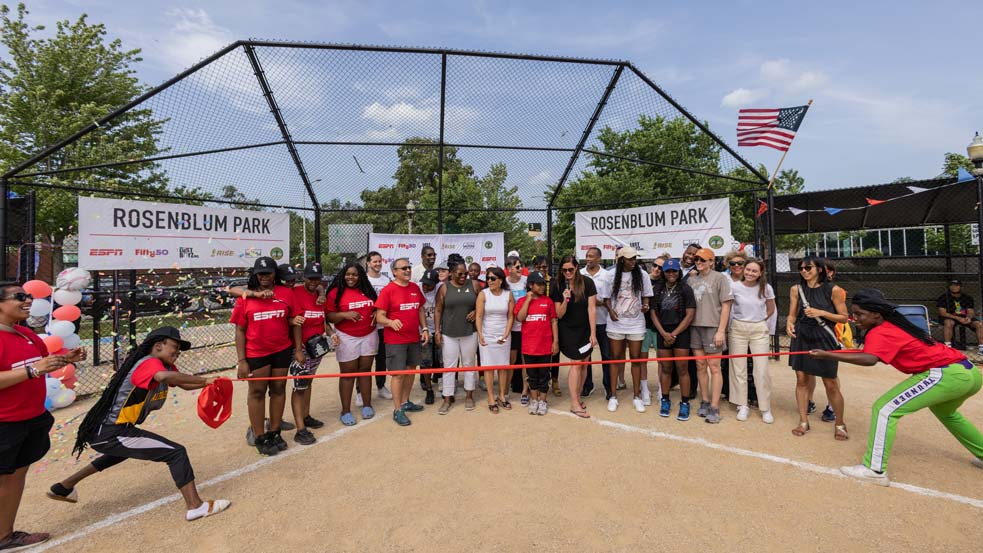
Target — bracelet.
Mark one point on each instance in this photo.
(27, 369)
(32, 372)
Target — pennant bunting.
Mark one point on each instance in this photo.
(917, 190)
(832, 210)
(871, 201)
(796, 211)
(762, 208)
(962, 175)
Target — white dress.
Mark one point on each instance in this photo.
(493, 325)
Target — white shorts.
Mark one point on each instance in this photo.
(351, 348)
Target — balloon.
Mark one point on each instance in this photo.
(47, 404)
(40, 308)
(36, 322)
(54, 343)
(72, 341)
(62, 328)
(69, 382)
(37, 288)
(62, 351)
(68, 371)
(74, 278)
(67, 297)
(67, 313)
(63, 398)
(52, 386)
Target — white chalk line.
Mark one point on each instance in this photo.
(120, 517)
(809, 467)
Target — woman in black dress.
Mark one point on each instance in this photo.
(815, 307)
(573, 295)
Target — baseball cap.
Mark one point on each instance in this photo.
(264, 265)
(535, 278)
(671, 265)
(513, 253)
(286, 272)
(215, 402)
(442, 264)
(628, 252)
(955, 281)
(313, 270)
(706, 253)
(430, 278)
(172, 333)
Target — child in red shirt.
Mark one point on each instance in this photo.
(540, 340)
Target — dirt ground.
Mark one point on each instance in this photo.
(478, 481)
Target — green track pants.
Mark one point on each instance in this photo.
(942, 390)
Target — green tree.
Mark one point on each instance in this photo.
(952, 163)
(53, 86)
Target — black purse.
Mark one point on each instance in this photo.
(317, 346)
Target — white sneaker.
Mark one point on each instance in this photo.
(542, 408)
(767, 417)
(613, 404)
(358, 399)
(385, 393)
(742, 413)
(646, 396)
(861, 472)
(977, 462)
(639, 404)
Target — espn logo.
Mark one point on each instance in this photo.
(359, 304)
(535, 317)
(104, 252)
(409, 306)
(310, 314)
(267, 315)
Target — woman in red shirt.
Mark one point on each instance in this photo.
(540, 339)
(941, 379)
(265, 348)
(350, 307)
(24, 423)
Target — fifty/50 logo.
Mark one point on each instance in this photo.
(276, 254)
(187, 252)
(151, 253)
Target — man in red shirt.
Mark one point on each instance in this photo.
(400, 311)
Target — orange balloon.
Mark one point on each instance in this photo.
(37, 288)
(54, 343)
(68, 371)
(67, 313)
(69, 382)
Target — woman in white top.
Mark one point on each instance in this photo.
(627, 303)
(754, 303)
(494, 321)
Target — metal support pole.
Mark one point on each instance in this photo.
(948, 249)
(132, 311)
(440, 150)
(772, 252)
(549, 235)
(4, 188)
(979, 228)
(117, 358)
(317, 234)
(96, 318)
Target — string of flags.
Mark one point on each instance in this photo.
(962, 176)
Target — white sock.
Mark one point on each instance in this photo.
(197, 513)
(645, 384)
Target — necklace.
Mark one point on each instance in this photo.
(670, 290)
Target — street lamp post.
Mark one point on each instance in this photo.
(975, 151)
(410, 210)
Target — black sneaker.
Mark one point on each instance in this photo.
(265, 445)
(430, 397)
(278, 440)
(304, 437)
(828, 414)
(287, 425)
(812, 407)
(311, 422)
(586, 392)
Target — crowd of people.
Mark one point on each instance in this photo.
(515, 321)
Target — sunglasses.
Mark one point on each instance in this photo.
(569, 270)
(699, 260)
(736, 263)
(806, 268)
(19, 296)
(406, 268)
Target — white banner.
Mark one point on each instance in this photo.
(483, 249)
(656, 229)
(125, 234)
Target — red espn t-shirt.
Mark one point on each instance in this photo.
(352, 300)
(401, 303)
(23, 401)
(267, 322)
(144, 374)
(905, 352)
(306, 304)
(537, 329)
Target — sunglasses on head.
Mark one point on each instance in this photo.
(19, 296)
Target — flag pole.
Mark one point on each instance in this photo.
(774, 175)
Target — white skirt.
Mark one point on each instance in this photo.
(495, 353)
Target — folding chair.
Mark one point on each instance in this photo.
(917, 315)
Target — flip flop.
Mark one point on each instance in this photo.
(840, 434)
(493, 407)
(581, 413)
(801, 429)
(507, 405)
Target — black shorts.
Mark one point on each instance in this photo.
(24, 442)
(279, 360)
(682, 339)
(516, 341)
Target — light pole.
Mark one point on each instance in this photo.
(410, 210)
(975, 151)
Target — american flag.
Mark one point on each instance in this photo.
(774, 128)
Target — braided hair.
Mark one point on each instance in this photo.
(636, 278)
(874, 300)
(89, 428)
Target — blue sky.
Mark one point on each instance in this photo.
(895, 84)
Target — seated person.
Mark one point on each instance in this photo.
(956, 308)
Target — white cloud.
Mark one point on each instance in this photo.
(192, 36)
(743, 97)
(790, 78)
(541, 179)
(775, 70)
(400, 113)
(808, 80)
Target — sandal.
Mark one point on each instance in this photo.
(801, 429)
(506, 404)
(582, 413)
(493, 407)
(583, 405)
(840, 434)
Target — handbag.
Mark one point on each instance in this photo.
(820, 320)
(317, 346)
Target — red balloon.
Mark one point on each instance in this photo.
(68, 371)
(54, 343)
(67, 313)
(62, 351)
(69, 382)
(37, 288)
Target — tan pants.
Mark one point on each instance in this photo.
(753, 336)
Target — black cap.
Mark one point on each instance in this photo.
(286, 272)
(313, 270)
(264, 265)
(535, 278)
(172, 333)
(955, 281)
(430, 278)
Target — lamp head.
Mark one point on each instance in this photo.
(975, 152)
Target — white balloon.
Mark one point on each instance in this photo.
(72, 341)
(66, 297)
(62, 328)
(52, 385)
(40, 308)
(74, 278)
(63, 398)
